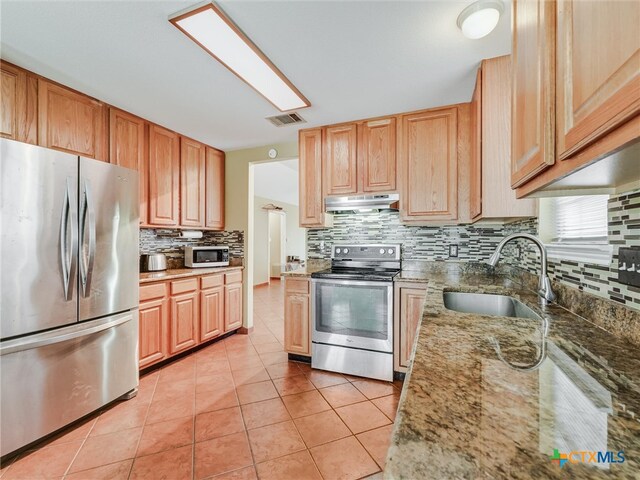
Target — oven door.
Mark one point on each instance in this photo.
(353, 313)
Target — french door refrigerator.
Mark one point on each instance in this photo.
(68, 289)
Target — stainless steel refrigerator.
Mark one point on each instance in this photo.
(69, 289)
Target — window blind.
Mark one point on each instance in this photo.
(581, 219)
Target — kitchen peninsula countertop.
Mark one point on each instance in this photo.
(464, 413)
(171, 274)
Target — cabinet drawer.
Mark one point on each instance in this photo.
(233, 277)
(211, 281)
(296, 285)
(153, 291)
(184, 286)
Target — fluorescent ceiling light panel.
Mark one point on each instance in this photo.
(210, 28)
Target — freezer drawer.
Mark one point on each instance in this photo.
(50, 379)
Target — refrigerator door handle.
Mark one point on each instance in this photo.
(88, 214)
(68, 259)
(49, 338)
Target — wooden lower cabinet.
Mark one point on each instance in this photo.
(409, 303)
(297, 314)
(181, 314)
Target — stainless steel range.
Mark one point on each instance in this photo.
(352, 311)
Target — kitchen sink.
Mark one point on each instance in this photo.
(488, 304)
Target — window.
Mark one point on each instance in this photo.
(576, 228)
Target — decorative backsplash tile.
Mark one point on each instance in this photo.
(169, 242)
(477, 242)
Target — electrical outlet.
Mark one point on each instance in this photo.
(629, 266)
(453, 250)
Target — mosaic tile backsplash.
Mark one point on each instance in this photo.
(477, 242)
(168, 241)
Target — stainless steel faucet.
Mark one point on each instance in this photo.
(544, 284)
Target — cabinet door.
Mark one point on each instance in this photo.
(598, 78)
(310, 178)
(429, 166)
(185, 317)
(475, 180)
(411, 306)
(296, 324)
(18, 104)
(377, 155)
(71, 122)
(214, 189)
(128, 148)
(164, 176)
(153, 331)
(533, 89)
(232, 306)
(339, 159)
(211, 313)
(192, 183)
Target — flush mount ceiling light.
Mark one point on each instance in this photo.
(209, 27)
(480, 18)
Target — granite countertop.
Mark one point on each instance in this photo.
(170, 274)
(464, 413)
(312, 266)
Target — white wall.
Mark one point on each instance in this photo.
(296, 237)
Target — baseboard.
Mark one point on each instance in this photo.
(245, 330)
(261, 284)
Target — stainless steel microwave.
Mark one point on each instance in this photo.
(217, 256)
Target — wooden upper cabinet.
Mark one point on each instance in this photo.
(475, 171)
(377, 155)
(18, 104)
(310, 178)
(164, 176)
(192, 183)
(214, 190)
(339, 159)
(72, 122)
(128, 148)
(533, 89)
(598, 77)
(428, 160)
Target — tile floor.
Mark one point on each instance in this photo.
(237, 409)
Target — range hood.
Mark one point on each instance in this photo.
(362, 203)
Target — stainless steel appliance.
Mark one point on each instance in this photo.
(352, 311)
(217, 256)
(69, 289)
(153, 262)
(363, 203)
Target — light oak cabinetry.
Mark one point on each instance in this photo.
(377, 155)
(128, 144)
(214, 189)
(598, 70)
(164, 176)
(297, 316)
(409, 303)
(310, 179)
(153, 324)
(428, 161)
(192, 183)
(177, 315)
(232, 301)
(71, 121)
(18, 104)
(490, 165)
(576, 96)
(339, 152)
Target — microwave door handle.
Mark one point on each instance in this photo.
(88, 216)
(68, 222)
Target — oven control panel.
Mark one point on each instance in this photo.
(366, 252)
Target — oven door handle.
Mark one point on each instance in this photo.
(360, 283)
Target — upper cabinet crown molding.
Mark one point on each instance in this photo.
(533, 103)
(18, 104)
(598, 74)
(340, 159)
(71, 122)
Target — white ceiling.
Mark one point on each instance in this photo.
(277, 181)
(350, 59)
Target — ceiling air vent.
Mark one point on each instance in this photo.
(286, 119)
